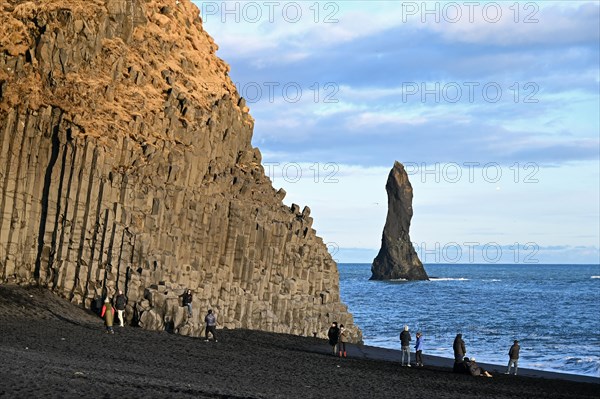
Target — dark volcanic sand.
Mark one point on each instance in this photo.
(50, 348)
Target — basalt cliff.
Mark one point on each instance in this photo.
(397, 258)
(126, 164)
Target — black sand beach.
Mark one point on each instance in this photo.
(50, 348)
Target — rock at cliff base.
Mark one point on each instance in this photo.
(397, 258)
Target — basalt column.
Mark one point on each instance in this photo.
(126, 164)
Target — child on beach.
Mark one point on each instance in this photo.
(419, 350)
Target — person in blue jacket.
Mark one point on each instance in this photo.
(419, 350)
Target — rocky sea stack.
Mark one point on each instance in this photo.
(126, 164)
(397, 258)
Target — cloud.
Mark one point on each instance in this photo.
(376, 119)
(369, 63)
(280, 43)
(432, 134)
(247, 26)
(522, 24)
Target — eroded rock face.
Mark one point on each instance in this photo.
(397, 258)
(126, 163)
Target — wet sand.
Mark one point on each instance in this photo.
(50, 348)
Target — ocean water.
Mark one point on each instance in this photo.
(553, 310)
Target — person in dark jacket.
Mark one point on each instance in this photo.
(419, 350)
(405, 339)
(211, 325)
(186, 300)
(474, 369)
(108, 312)
(513, 357)
(334, 335)
(120, 302)
(459, 349)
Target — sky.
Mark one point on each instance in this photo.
(493, 108)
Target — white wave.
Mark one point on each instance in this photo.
(493, 279)
(595, 277)
(584, 359)
(398, 279)
(448, 279)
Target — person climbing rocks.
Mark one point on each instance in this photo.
(211, 325)
(108, 312)
(334, 335)
(343, 338)
(120, 302)
(186, 300)
(405, 339)
(513, 357)
(419, 350)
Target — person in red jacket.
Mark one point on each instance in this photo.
(108, 312)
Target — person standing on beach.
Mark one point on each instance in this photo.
(108, 312)
(459, 349)
(419, 350)
(120, 302)
(211, 325)
(405, 339)
(186, 300)
(334, 335)
(513, 355)
(343, 338)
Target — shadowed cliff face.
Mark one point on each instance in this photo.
(126, 163)
(397, 258)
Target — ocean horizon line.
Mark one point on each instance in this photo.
(484, 264)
